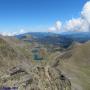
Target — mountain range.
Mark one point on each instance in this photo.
(64, 39)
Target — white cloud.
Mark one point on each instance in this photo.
(73, 24)
(58, 25)
(86, 12)
(13, 33)
(81, 23)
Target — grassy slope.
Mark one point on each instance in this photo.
(13, 52)
(77, 67)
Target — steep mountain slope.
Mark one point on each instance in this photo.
(68, 69)
(75, 64)
(18, 71)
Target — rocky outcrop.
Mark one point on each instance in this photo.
(39, 78)
(15, 70)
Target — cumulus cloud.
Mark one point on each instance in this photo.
(73, 24)
(21, 31)
(56, 27)
(86, 12)
(80, 24)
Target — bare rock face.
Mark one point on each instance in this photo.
(39, 78)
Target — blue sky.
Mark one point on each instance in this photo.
(36, 15)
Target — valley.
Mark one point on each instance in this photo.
(35, 65)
